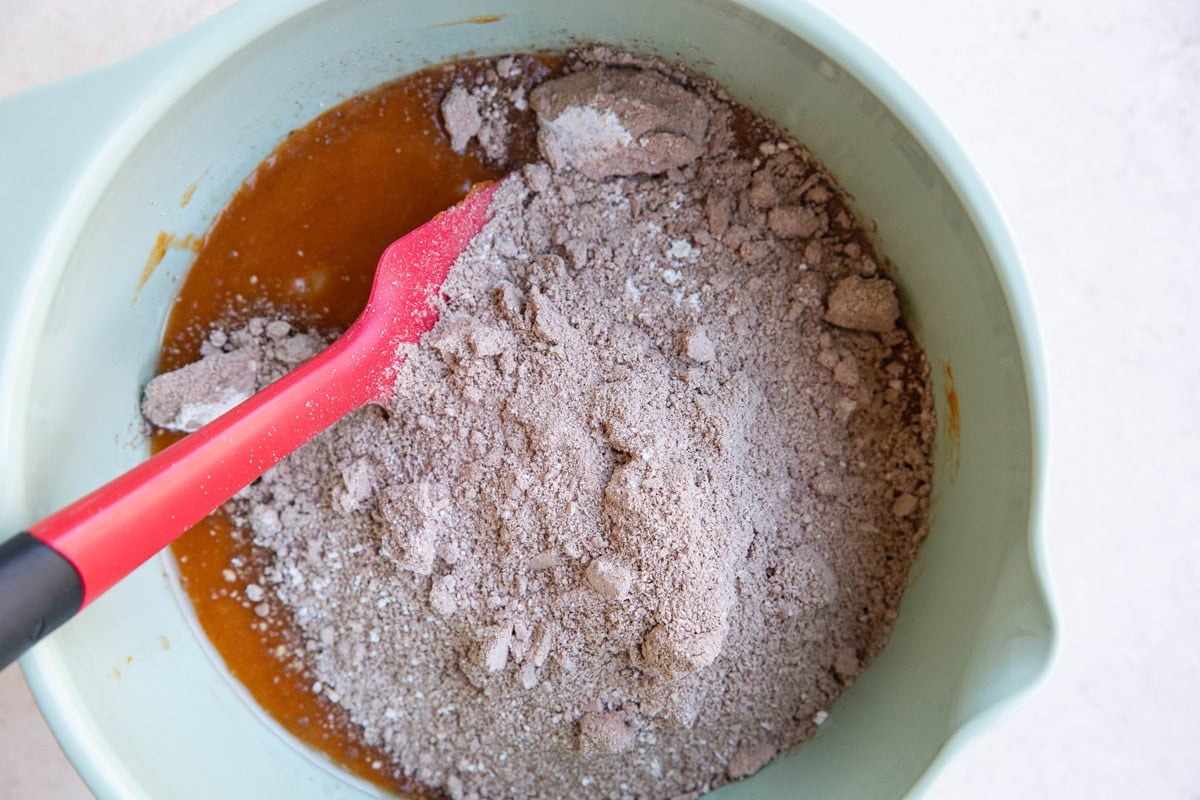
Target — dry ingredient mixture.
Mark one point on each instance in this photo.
(646, 497)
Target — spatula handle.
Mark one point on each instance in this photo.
(39, 590)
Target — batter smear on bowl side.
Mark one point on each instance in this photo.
(646, 497)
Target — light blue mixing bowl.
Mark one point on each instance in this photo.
(94, 169)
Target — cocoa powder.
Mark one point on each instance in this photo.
(646, 497)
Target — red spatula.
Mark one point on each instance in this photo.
(73, 556)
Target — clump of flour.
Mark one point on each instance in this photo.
(645, 499)
(481, 111)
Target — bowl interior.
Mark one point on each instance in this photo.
(139, 700)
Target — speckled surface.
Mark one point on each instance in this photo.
(1085, 118)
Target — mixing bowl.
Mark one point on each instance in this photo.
(97, 167)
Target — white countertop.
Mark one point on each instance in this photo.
(1084, 115)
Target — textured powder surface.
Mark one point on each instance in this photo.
(191, 397)
(481, 111)
(230, 371)
(614, 121)
(646, 497)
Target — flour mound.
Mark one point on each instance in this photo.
(645, 499)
